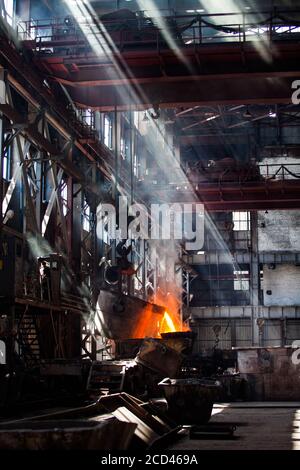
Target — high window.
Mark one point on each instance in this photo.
(86, 216)
(241, 220)
(241, 280)
(107, 131)
(64, 196)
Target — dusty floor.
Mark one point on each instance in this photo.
(259, 426)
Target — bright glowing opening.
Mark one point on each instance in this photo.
(167, 324)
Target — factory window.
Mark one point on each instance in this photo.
(64, 196)
(135, 166)
(107, 131)
(8, 12)
(87, 117)
(2, 352)
(241, 280)
(241, 220)
(136, 119)
(6, 164)
(125, 143)
(86, 219)
(123, 148)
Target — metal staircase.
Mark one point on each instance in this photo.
(28, 340)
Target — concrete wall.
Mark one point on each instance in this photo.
(279, 231)
(283, 282)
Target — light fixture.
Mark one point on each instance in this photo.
(200, 252)
(68, 20)
(212, 117)
(247, 113)
(145, 117)
(190, 11)
(272, 114)
(201, 10)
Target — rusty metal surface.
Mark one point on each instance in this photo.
(108, 434)
(181, 341)
(119, 314)
(271, 373)
(159, 357)
(227, 76)
(127, 349)
(190, 401)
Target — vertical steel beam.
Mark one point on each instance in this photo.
(76, 228)
(57, 195)
(22, 149)
(52, 200)
(2, 101)
(28, 197)
(254, 279)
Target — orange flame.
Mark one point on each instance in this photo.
(153, 327)
(171, 320)
(171, 323)
(167, 324)
(145, 326)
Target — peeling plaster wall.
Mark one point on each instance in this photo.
(279, 231)
(283, 282)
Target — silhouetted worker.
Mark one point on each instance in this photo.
(45, 280)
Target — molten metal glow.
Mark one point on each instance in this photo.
(167, 324)
(152, 324)
(171, 323)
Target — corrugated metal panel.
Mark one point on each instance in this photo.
(238, 332)
(243, 332)
(292, 331)
(272, 333)
(206, 337)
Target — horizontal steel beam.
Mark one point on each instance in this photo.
(260, 195)
(232, 73)
(247, 90)
(202, 313)
(225, 257)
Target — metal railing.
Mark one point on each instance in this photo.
(170, 31)
(239, 174)
(280, 171)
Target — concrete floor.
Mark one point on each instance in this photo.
(259, 426)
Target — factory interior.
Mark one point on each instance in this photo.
(150, 225)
